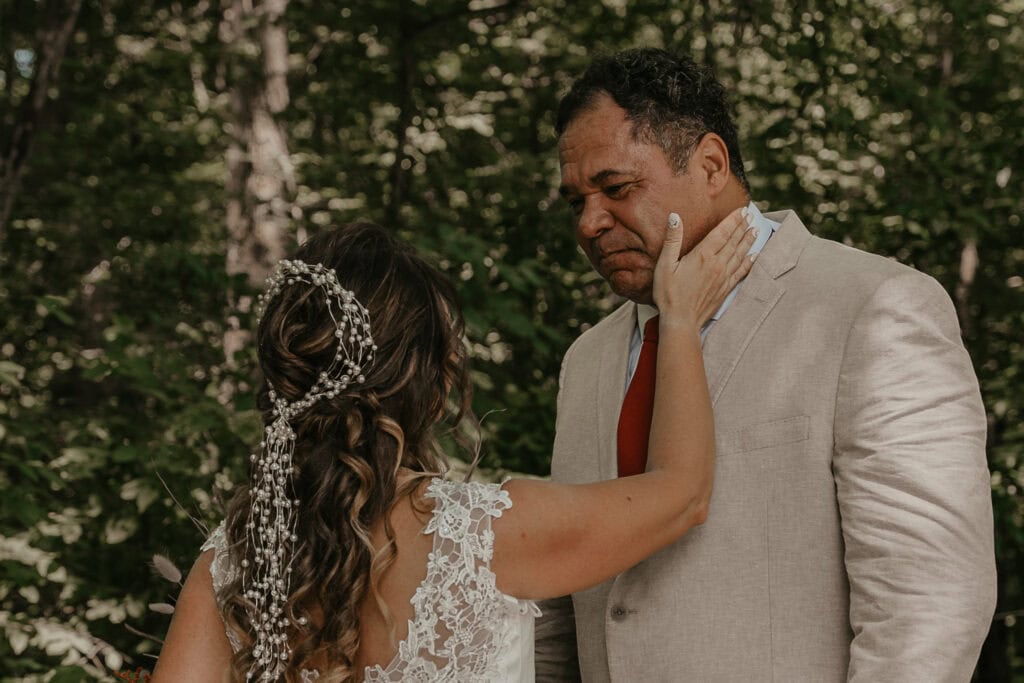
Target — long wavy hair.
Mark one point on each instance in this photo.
(349, 449)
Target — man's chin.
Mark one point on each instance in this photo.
(629, 286)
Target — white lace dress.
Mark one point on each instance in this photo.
(464, 629)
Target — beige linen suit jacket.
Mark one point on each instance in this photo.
(849, 535)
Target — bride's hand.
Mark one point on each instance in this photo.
(690, 289)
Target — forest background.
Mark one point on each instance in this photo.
(157, 156)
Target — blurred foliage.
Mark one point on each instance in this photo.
(892, 126)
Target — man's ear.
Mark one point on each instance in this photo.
(711, 160)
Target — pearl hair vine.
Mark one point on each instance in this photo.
(270, 529)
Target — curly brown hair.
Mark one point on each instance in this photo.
(349, 449)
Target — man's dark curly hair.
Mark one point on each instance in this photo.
(671, 100)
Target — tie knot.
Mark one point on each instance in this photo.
(651, 330)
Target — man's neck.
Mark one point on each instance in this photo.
(731, 198)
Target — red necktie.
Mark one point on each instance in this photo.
(635, 418)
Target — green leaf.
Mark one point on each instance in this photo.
(55, 306)
(69, 674)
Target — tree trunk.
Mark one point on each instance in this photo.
(59, 19)
(260, 182)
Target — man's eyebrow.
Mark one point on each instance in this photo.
(601, 176)
(597, 179)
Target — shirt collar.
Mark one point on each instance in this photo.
(644, 312)
(766, 228)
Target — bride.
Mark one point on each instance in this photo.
(349, 556)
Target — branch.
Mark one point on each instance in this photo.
(142, 634)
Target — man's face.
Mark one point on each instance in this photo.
(621, 192)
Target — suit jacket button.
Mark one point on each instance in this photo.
(618, 613)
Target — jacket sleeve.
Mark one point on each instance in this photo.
(555, 655)
(913, 488)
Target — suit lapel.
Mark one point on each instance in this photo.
(731, 335)
(611, 389)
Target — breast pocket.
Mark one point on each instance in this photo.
(755, 437)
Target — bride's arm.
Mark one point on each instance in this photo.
(196, 648)
(557, 539)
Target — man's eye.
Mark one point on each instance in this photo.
(614, 190)
(576, 205)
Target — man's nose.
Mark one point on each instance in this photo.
(594, 219)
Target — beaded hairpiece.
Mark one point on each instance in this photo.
(271, 525)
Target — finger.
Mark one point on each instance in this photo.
(738, 269)
(741, 273)
(733, 264)
(738, 243)
(737, 258)
(739, 239)
(740, 228)
(720, 235)
(672, 247)
(674, 221)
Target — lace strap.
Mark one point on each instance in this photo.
(462, 517)
(463, 625)
(222, 570)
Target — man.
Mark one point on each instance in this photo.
(850, 530)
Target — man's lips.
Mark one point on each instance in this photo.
(617, 258)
